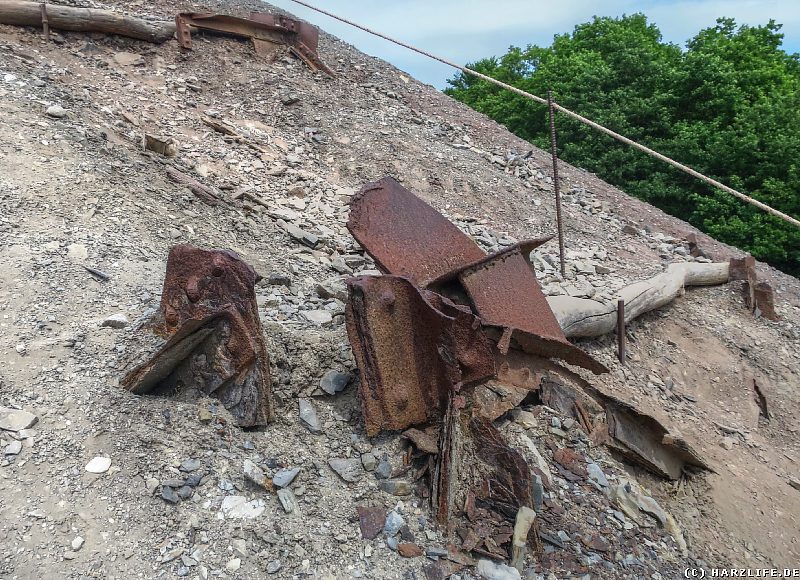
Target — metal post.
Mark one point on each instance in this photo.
(621, 330)
(45, 22)
(557, 188)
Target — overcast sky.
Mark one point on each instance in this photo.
(467, 30)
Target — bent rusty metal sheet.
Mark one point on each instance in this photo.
(414, 349)
(301, 38)
(505, 293)
(406, 236)
(214, 343)
(405, 351)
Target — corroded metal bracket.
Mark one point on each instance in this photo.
(301, 37)
(407, 237)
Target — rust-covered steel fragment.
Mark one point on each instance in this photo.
(405, 352)
(413, 348)
(301, 38)
(208, 335)
(759, 297)
(407, 237)
(505, 293)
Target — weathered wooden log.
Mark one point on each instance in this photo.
(584, 317)
(18, 13)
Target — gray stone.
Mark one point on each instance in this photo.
(13, 448)
(596, 475)
(384, 469)
(300, 234)
(335, 381)
(318, 316)
(169, 494)
(185, 492)
(273, 566)
(56, 111)
(308, 415)
(190, 464)
(496, 571)
(341, 266)
(394, 521)
(174, 483)
(332, 288)
(16, 419)
(118, 320)
(193, 480)
(280, 280)
(285, 477)
(436, 552)
(288, 501)
(399, 487)
(555, 422)
(348, 469)
(368, 461)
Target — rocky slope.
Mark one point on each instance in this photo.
(77, 189)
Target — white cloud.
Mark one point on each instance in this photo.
(467, 30)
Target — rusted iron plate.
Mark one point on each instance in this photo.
(764, 299)
(473, 348)
(405, 351)
(304, 41)
(214, 343)
(505, 293)
(301, 38)
(406, 236)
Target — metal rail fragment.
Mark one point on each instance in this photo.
(407, 237)
(301, 38)
(211, 337)
(410, 354)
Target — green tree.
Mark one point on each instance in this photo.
(728, 105)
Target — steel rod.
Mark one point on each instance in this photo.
(556, 186)
(621, 330)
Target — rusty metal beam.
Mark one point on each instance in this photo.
(300, 37)
(211, 336)
(407, 237)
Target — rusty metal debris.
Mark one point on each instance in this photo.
(301, 38)
(207, 336)
(407, 237)
(759, 297)
(410, 354)
(449, 340)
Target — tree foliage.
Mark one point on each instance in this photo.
(728, 105)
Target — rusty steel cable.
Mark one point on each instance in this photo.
(556, 186)
(574, 115)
